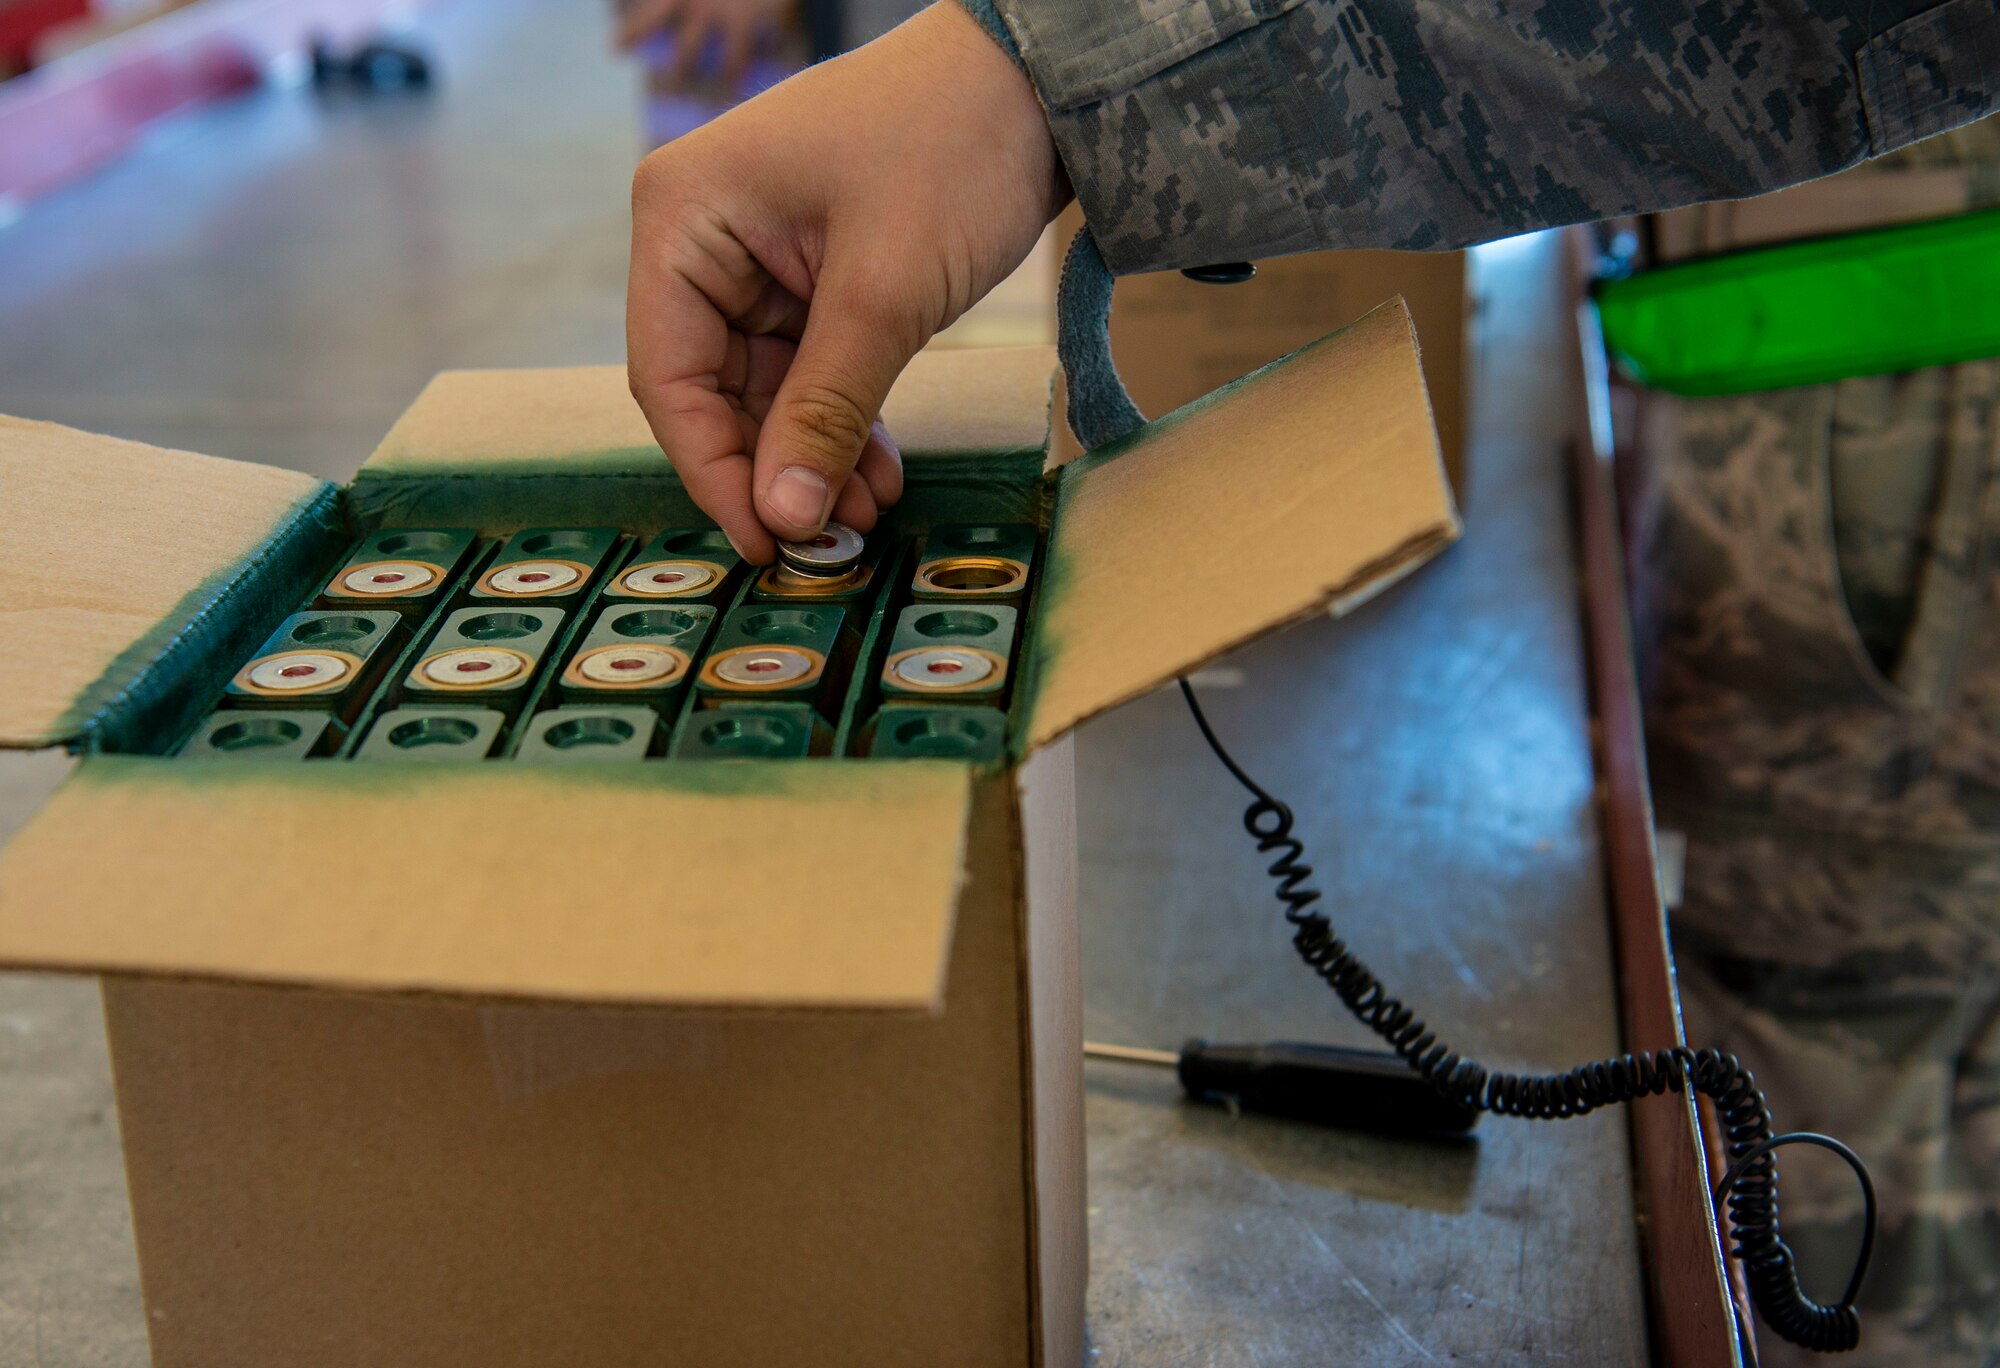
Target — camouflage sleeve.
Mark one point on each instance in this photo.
(1211, 130)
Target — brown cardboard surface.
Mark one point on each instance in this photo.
(1308, 485)
(333, 1179)
(584, 417)
(1177, 339)
(1053, 952)
(781, 884)
(112, 548)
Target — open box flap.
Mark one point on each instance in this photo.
(583, 419)
(126, 561)
(1306, 486)
(773, 884)
(574, 442)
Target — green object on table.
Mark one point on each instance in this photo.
(1809, 313)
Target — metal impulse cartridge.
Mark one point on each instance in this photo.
(545, 563)
(589, 733)
(773, 652)
(955, 653)
(837, 566)
(317, 660)
(910, 731)
(485, 656)
(233, 735)
(974, 561)
(432, 734)
(685, 566)
(403, 569)
(751, 731)
(639, 653)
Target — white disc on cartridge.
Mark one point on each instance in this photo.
(668, 578)
(533, 577)
(943, 667)
(833, 551)
(297, 671)
(389, 578)
(777, 665)
(631, 665)
(473, 667)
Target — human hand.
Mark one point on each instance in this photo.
(741, 26)
(790, 257)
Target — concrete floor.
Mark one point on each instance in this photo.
(275, 279)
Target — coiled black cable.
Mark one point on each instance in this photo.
(1752, 1179)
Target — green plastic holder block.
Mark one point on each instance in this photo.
(909, 731)
(432, 735)
(403, 569)
(638, 652)
(977, 561)
(318, 659)
(590, 732)
(772, 652)
(263, 735)
(950, 653)
(751, 731)
(681, 565)
(545, 565)
(486, 657)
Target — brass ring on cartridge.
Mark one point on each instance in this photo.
(945, 669)
(970, 575)
(645, 665)
(386, 579)
(515, 579)
(738, 668)
(298, 674)
(788, 583)
(470, 668)
(670, 578)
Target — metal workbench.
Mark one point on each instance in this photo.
(275, 278)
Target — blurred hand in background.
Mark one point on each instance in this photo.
(737, 29)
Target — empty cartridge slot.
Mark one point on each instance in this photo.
(687, 566)
(975, 561)
(913, 731)
(318, 659)
(592, 732)
(262, 735)
(956, 651)
(484, 655)
(751, 731)
(545, 563)
(785, 582)
(401, 569)
(789, 652)
(432, 734)
(638, 651)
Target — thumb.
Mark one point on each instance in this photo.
(851, 352)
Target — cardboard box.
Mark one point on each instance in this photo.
(676, 1062)
(1176, 339)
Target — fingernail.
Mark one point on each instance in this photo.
(800, 497)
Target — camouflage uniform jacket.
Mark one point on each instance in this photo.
(1214, 130)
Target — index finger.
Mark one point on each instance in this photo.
(677, 350)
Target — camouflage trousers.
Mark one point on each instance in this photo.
(1819, 584)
